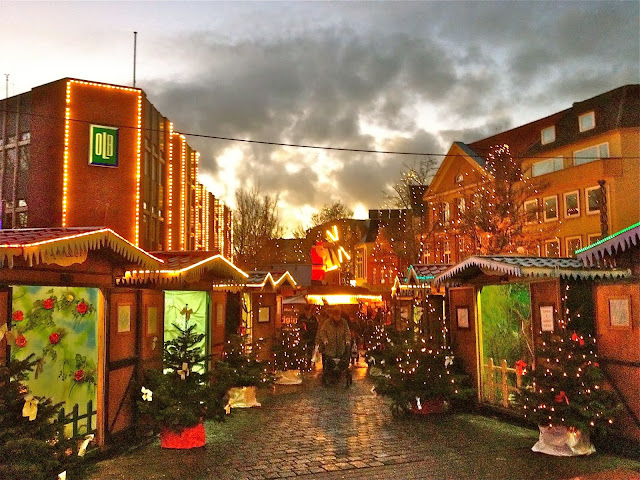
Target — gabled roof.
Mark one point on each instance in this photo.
(521, 266)
(188, 266)
(425, 273)
(611, 245)
(261, 279)
(458, 156)
(66, 246)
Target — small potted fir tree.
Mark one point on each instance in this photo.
(175, 401)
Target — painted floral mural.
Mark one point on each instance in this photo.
(59, 326)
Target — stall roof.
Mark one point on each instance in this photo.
(521, 266)
(188, 266)
(66, 246)
(260, 279)
(425, 272)
(615, 243)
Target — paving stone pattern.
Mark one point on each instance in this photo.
(313, 432)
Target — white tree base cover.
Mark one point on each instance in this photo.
(562, 442)
(288, 377)
(242, 397)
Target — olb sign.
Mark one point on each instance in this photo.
(103, 146)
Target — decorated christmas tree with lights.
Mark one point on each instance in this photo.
(421, 378)
(241, 366)
(289, 351)
(32, 444)
(566, 387)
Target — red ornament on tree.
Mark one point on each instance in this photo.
(18, 316)
(79, 375)
(54, 338)
(82, 308)
(48, 303)
(562, 397)
(21, 341)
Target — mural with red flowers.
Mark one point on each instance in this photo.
(58, 325)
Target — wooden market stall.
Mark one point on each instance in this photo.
(617, 316)
(499, 305)
(60, 300)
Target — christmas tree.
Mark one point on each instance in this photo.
(288, 350)
(565, 389)
(420, 373)
(180, 396)
(240, 366)
(32, 444)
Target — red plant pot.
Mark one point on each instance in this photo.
(188, 437)
(432, 405)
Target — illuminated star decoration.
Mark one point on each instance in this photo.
(184, 371)
(147, 395)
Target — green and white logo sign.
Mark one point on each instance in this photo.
(103, 149)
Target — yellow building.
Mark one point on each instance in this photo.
(571, 158)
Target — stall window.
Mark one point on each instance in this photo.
(593, 238)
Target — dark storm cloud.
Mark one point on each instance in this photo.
(483, 67)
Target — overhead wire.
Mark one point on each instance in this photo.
(301, 145)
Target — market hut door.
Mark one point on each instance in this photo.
(123, 353)
(504, 339)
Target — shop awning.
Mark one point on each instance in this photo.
(67, 246)
(522, 266)
(611, 245)
(339, 295)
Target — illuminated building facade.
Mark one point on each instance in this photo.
(565, 157)
(75, 153)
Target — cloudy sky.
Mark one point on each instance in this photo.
(393, 76)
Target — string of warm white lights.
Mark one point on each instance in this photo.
(315, 147)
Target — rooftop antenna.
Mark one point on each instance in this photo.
(135, 38)
(6, 87)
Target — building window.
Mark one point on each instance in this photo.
(552, 248)
(446, 254)
(591, 154)
(587, 121)
(593, 238)
(460, 206)
(571, 204)
(547, 166)
(573, 244)
(445, 213)
(531, 211)
(548, 135)
(592, 200)
(359, 264)
(550, 208)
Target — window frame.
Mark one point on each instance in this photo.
(598, 147)
(551, 161)
(564, 203)
(537, 212)
(587, 190)
(544, 209)
(595, 236)
(551, 129)
(566, 244)
(549, 242)
(592, 115)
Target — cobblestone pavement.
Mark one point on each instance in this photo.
(312, 432)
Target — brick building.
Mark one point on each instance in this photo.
(75, 153)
